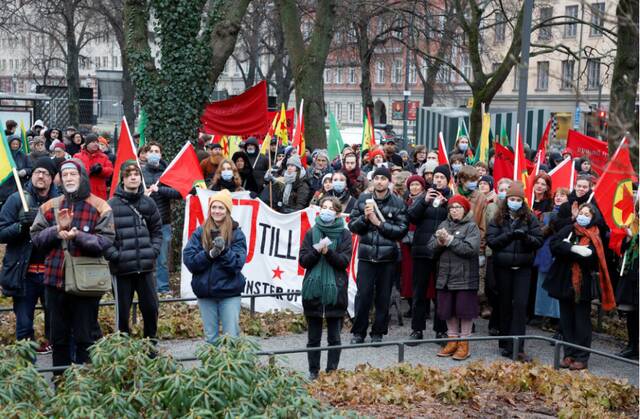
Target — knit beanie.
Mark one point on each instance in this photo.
(461, 200)
(516, 189)
(376, 152)
(382, 171)
(428, 167)
(416, 178)
(57, 144)
(224, 197)
(294, 160)
(128, 163)
(443, 169)
(90, 138)
(47, 164)
(488, 179)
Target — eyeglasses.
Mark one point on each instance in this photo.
(44, 173)
(456, 207)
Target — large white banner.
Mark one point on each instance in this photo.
(273, 245)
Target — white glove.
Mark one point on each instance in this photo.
(268, 177)
(324, 242)
(22, 173)
(583, 251)
(481, 260)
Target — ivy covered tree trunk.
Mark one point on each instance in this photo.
(308, 62)
(194, 45)
(624, 82)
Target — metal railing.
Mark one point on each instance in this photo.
(401, 344)
(252, 303)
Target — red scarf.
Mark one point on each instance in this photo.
(588, 236)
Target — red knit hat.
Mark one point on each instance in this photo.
(376, 152)
(461, 200)
(416, 178)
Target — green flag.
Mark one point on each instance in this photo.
(504, 137)
(334, 143)
(142, 125)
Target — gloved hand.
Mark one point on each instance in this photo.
(583, 251)
(219, 243)
(95, 169)
(193, 191)
(27, 218)
(482, 260)
(22, 173)
(518, 233)
(268, 177)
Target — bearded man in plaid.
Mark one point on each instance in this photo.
(85, 222)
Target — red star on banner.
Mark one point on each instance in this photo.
(277, 273)
(625, 204)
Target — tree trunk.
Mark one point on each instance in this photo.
(128, 90)
(72, 73)
(361, 28)
(622, 118)
(308, 63)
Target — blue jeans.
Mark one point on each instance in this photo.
(220, 310)
(24, 307)
(162, 270)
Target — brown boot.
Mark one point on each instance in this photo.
(462, 352)
(449, 349)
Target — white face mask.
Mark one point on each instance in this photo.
(227, 174)
(327, 216)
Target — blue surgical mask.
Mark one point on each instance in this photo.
(502, 195)
(327, 216)
(514, 205)
(463, 147)
(583, 220)
(456, 167)
(153, 159)
(339, 185)
(227, 174)
(472, 186)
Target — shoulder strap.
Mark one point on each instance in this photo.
(135, 210)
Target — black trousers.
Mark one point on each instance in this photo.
(374, 288)
(575, 320)
(144, 285)
(71, 315)
(632, 328)
(513, 287)
(422, 270)
(492, 292)
(314, 338)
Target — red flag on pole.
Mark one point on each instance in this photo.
(563, 175)
(184, 172)
(581, 145)
(502, 163)
(442, 150)
(126, 151)
(544, 141)
(614, 195)
(298, 136)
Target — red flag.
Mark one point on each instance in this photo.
(298, 137)
(184, 172)
(245, 114)
(544, 140)
(442, 150)
(126, 151)
(580, 145)
(563, 175)
(502, 163)
(614, 195)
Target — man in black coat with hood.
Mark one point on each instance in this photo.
(259, 162)
(132, 257)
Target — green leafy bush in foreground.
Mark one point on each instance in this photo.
(124, 382)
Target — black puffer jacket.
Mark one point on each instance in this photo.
(509, 251)
(426, 218)
(339, 260)
(138, 233)
(165, 193)
(380, 244)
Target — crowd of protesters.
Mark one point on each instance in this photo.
(456, 243)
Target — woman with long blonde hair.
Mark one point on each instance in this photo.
(215, 255)
(226, 177)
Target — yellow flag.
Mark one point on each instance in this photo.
(281, 128)
(6, 159)
(483, 147)
(267, 139)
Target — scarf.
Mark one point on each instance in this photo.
(289, 180)
(321, 280)
(464, 192)
(352, 176)
(586, 236)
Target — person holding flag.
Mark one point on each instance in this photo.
(15, 159)
(97, 165)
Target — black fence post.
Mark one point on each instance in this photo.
(134, 315)
(401, 352)
(556, 355)
(515, 348)
(253, 306)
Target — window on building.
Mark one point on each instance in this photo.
(466, 66)
(327, 76)
(114, 61)
(338, 76)
(10, 64)
(351, 112)
(444, 74)
(597, 19)
(105, 62)
(571, 27)
(567, 74)
(546, 13)
(413, 72)
(593, 73)
(380, 72)
(339, 111)
(500, 27)
(24, 63)
(543, 75)
(396, 75)
(352, 75)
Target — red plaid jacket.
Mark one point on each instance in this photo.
(93, 219)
